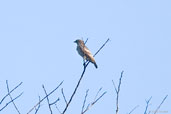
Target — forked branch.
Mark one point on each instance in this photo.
(84, 69)
(117, 90)
(34, 107)
(96, 99)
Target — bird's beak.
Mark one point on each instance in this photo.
(75, 41)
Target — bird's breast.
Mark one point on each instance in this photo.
(80, 51)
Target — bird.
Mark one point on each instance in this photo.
(84, 52)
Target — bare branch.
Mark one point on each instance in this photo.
(10, 92)
(63, 96)
(94, 102)
(37, 107)
(160, 104)
(44, 98)
(114, 86)
(86, 41)
(99, 98)
(11, 101)
(97, 93)
(75, 90)
(84, 101)
(133, 109)
(49, 104)
(117, 92)
(47, 99)
(147, 102)
(58, 109)
(101, 47)
(11, 97)
(55, 102)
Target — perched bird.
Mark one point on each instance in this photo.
(85, 52)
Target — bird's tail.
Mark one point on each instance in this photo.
(95, 65)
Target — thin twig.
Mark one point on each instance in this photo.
(58, 109)
(75, 90)
(55, 102)
(84, 101)
(11, 97)
(87, 108)
(101, 47)
(114, 86)
(147, 102)
(44, 98)
(117, 92)
(94, 102)
(47, 99)
(37, 109)
(10, 92)
(62, 91)
(133, 109)
(160, 104)
(11, 101)
(97, 93)
(86, 41)
(99, 98)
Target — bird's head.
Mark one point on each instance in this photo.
(78, 41)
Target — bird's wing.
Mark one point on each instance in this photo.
(87, 51)
(88, 55)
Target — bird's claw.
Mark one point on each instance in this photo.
(84, 63)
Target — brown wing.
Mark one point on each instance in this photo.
(88, 55)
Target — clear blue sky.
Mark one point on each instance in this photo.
(36, 47)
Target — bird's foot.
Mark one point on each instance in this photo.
(84, 64)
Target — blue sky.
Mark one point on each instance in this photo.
(36, 47)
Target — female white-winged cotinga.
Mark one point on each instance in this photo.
(85, 52)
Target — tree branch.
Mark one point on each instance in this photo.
(9, 92)
(11, 97)
(92, 103)
(47, 99)
(37, 109)
(160, 104)
(44, 98)
(147, 102)
(11, 101)
(75, 90)
(133, 109)
(86, 41)
(63, 96)
(117, 90)
(84, 101)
